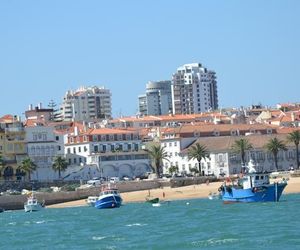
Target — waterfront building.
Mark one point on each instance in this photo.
(157, 100)
(12, 146)
(113, 152)
(86, 104)
(218, 139)
(42, 147)
(194, 89)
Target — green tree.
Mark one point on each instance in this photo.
(157, 153)
(294, 137)
(273, 146)
(60, 164)
(1, 164)
(173, 169)
(198, 152)
(241, 146)
(27, 166)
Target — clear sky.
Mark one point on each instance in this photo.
(48, 47)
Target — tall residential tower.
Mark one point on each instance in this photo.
(86, 104)
(194, 89)
(157, 100)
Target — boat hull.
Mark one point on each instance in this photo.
(32, 208)
(109, 201)
(267, 193)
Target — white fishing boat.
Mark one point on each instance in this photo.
(91, 200)
(32, 204)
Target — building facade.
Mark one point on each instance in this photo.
(194, 90)
(157, 100)
(114, 152)
(12, 147)
(86, 104)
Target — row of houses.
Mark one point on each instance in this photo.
(116, 147)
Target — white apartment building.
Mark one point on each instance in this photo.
(42, 146)
(157, 100)
(112, 152)
(194, 90)
(86, 104)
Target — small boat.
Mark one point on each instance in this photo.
(1, 210)
(109, 198)
(32, 204)
(152, 199)
(252, 187)
(91, 200)
(213, 196)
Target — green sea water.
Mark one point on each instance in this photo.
(188, 224)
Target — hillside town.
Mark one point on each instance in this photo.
(80, 140)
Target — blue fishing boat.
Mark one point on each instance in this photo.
(109, 198)
(252, 187)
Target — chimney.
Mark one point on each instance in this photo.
(75, 130)
(293, 116)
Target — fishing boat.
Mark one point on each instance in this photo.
(91, 200)
(32, 204)
(252, 187)
(152, 200)
(109, 198)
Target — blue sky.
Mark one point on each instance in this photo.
(48, 47)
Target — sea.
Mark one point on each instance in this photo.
(181, 224)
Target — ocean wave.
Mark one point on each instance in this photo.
(40, 222)
(212, 242)
(99, 237)
(136, 224)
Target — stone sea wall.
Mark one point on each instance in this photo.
(13, 202)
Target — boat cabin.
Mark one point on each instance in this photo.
(32, 201)
(110, 191)
(254, 180)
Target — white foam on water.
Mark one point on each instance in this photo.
(136, 225)
(12, 223)
(213, 242)
(40, 222)
(99, 237)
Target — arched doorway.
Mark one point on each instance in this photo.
(8, 173)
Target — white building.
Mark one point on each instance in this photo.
(86, 104)
(194, 89)
(222, 160)
(42, 146)
(157, 100)
(114, 152)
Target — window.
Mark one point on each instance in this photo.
(75, 160)
(57, 138)
(79, 149)
(69, 151)
(170, 144)
(74, 150)
(96, 148)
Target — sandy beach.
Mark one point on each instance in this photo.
(186, 192)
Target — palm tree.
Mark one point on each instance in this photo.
(198, 152)
(295, 138)
(240, 147)
(60, 164)
(157, 154)
(173, 169)
(273, 146)
(1, 164)
(27, 166)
